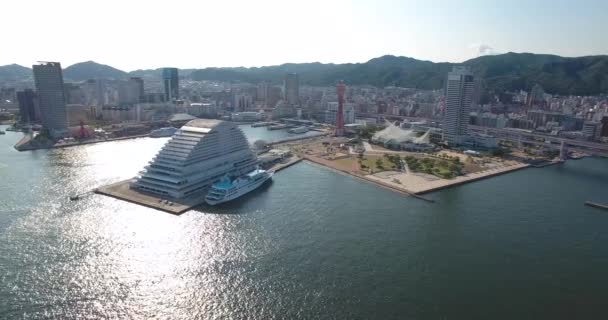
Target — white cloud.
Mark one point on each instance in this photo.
(482, 49)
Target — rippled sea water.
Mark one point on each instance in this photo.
(312, 244)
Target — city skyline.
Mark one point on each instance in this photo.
(343, 32)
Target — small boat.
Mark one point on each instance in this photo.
(227, 189)
(2, 132)
(596, 205)
(298, 130)
(163, 132)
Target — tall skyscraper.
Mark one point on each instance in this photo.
(48, 78)
(459, 96)
(137, 88)
(340, 90)
(27, 105)
(131, 92)
(291, 88)
(242, 102)
(171, 83)
(262, 91)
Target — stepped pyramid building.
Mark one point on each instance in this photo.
(198, 155)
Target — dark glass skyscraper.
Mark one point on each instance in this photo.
(48, 78)
(171, 84)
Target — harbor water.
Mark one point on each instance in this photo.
(312, 244)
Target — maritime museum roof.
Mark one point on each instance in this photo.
(200, 153)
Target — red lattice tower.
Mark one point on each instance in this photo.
(340, 89)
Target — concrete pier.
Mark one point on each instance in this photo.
(122, 191)
(280, 166)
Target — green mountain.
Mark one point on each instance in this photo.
(510, 71)
(514, 71)
(14, 72)
(92, 70)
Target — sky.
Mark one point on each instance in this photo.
(143, 34)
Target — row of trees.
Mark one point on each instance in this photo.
(443, 168)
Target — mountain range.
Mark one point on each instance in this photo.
(510, 71)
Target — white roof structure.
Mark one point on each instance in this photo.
(398, 135)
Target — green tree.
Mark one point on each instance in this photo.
(379, 164)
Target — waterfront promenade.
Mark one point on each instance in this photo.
(326, 151)
(420, 183)
(415, 184)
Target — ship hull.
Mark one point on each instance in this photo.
(242, 190)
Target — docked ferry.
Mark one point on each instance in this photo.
(226, 189)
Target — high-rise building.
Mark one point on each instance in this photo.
(242, 102)
(273, 95)
(27, 105)
(340, 90)
(171, 84)
(95, 95)
(95, 92)
(291, 89)
(130, 92)
(459, 96)
(137, 88)
(536, 96)
(48, 79)
(74, 94)
(262, 91)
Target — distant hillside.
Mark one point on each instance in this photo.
(91, 70)
(510, 71)
(14, 72)
(156, 74)
(514, 71)
(383, 71)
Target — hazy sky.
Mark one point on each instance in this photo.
(135, 34)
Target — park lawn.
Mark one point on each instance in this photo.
(370, 162)
(441, 168)
(345, 163)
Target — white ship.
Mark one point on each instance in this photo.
(226, 189)
(163, 132)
